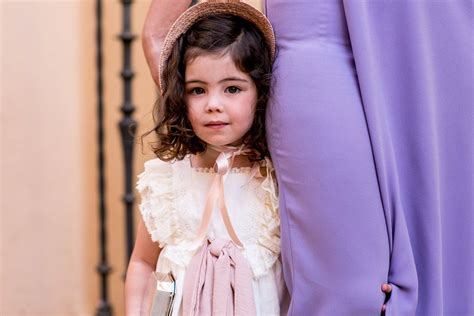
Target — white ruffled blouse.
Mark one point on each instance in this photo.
(173, 198)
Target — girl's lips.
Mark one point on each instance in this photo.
(216, 125)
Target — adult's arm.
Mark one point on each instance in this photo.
(160, 17)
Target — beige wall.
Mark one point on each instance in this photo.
(48, 188)
(44, 197)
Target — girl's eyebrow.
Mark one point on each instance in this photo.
(194, 81)
(233, 79)
(220, 81)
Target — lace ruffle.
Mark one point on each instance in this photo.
(162, 183)
(156, 207)
(261, 259)
(232, 170)
(270, 238)
(180, 254)
(269, 185)
(265, 252)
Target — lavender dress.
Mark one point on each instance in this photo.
(370, 131)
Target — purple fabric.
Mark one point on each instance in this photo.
(370, 131)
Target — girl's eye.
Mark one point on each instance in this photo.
(196, 91)
(233, 89)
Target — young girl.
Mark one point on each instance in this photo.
(209, 200)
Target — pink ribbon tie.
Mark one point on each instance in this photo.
(216, 192)
(218, 282)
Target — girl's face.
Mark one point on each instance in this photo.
(220, 99)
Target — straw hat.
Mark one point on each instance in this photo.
(212, 7)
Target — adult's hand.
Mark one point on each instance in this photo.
(387, 289)
(160, 17)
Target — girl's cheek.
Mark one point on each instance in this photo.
(191, 114)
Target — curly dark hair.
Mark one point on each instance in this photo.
(221, 33)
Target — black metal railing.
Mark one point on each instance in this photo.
(127, 125)
(103, 268)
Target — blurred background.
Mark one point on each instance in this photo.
(49, 190)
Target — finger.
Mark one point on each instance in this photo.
(384, 307)
(386, 288)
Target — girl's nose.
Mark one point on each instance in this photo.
(214, 103)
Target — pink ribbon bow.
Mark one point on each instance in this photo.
(218, 281)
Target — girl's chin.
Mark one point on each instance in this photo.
(225, 144)
(235, 144)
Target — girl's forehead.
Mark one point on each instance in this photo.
(194, 52)
(213, 67)
(210, 61)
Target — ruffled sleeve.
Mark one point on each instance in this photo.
(271, 239)
(155, 187)
(264, 255)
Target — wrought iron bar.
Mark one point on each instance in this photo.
(103, 268)
(128, 125)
